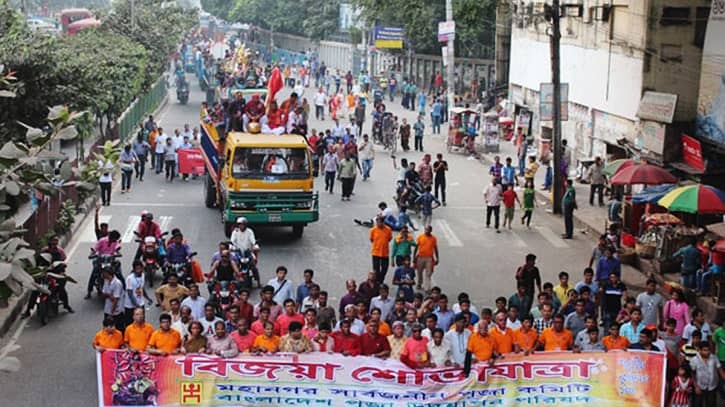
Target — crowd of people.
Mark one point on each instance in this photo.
(416, 323)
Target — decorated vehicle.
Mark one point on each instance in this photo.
(265, 178)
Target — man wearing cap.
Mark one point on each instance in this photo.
(243, 238)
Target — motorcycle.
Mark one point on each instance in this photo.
(223, 294)
(150, 256)
(248, 267)
(49, 288)
(105, 262)
(409, 200)
(181, 270)
(182, 93)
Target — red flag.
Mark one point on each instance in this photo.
(274, 84)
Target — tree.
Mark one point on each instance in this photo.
(158, 25)
(24, 166)
(475, 23)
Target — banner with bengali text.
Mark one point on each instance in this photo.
(319, 379)
(191, 161)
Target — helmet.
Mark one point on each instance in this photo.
(254, 128)
(242, 220)
(149, 216)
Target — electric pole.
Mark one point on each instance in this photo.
(450, 57)
(556, 125)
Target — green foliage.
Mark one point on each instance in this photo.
(158, 25)
(109, 152)
(475, 23)
(311, 18)
(23, 167)
(66, 217)
(101, 70)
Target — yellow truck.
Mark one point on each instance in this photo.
(264, 178)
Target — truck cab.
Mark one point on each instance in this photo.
(263, 177)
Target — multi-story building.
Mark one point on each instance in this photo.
(614, 55)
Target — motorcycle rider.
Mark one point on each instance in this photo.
(147, 227)
(178, 251)
(412, 180)
(56, 254)
(218, 255)
(223, 269)
(109, 245)
(244, 241)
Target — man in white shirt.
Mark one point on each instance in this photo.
(195, 302)
(493, 195)
(458, 339)
(439, 349)
(283, 288)
(242, 237)
(320, 99)
(135, 294)
(338, 131)
(697, 323)
(357, 326)
(209, 320)
(160, 150)
(177, 140)
(186, 132)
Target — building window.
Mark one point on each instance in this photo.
(675, 16)
(671, 53)
(701, 16)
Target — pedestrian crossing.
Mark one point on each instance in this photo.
(131, 224)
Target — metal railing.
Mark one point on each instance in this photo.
(140, 108)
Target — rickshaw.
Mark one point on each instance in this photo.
(506, 126)
(461, 132)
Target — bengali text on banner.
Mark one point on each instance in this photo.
(319, 379)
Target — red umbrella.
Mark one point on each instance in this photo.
(643, 174)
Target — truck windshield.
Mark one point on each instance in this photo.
(263, 162)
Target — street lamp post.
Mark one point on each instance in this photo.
(450, 56)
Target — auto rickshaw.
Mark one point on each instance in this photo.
(461, 131)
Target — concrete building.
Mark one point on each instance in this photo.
(612, 53)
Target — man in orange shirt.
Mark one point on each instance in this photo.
(481, 345)
(556, 338)
(380, 237)
(426, 256)
(109, 337)
(165, 341)
(525, 337)
(138, 334)
(502, 336)
(615, 341)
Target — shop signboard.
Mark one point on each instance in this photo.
(546, 102)
(657, 106)
(692, 153)
(446, 31)
(388, 37)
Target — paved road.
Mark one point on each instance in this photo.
(57, 359)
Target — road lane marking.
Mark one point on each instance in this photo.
(128, 235)
(165, 221)
(448, 233)
(555, 240)
(518, 241)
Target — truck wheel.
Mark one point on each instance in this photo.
(297, 230)
(209, 192)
